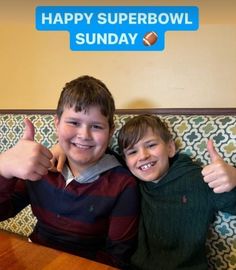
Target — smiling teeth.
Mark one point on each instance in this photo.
(82, 146)
(146, 166)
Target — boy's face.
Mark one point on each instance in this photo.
(148, 159)
(84, 136)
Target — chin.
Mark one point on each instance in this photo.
(147, 179)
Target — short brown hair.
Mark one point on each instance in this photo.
(86, 91)
(136, 128)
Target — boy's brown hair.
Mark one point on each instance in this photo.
(86, 91)
(136, 128)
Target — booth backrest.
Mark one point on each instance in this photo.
(191, 129)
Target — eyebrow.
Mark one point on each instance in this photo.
(71, 118)
(146, 142)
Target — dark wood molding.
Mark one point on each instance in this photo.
(28, 111)
(180, 111)
(161, 111)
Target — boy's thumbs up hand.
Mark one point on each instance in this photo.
(219, 175)
(28, 131)
(27, 159)
(214, 155)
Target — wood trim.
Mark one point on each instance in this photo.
(181, 111)
(28, 111)
(161, 111)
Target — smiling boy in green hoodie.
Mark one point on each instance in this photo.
(177, 206)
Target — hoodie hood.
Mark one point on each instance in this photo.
(106, 163)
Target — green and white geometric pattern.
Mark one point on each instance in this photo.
(190, 133)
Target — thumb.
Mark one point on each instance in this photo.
(214, 155)
(29, 130)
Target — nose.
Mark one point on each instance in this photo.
(83, 132)
(143, 153)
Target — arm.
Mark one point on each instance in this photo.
(27, 159)
(13, 197)
(219, 175)
(59, 158)
(123, 227)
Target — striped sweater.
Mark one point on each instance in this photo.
(95, 220)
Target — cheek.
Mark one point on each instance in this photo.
(129, 163)
(63, 133)
(103, 139)
(163, 152)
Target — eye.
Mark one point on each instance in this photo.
(130, 152)
(152, 145)
(97, 127)
(73, 123)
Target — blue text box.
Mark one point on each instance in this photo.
(117, 28)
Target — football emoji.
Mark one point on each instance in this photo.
(150, 38)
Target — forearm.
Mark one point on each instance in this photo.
(123, 229)
(118, 254)
(6, 190)
(13, 197)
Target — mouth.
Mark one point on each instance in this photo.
(82, 146)
(146, 166)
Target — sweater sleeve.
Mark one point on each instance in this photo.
(123, 227)
(226, 202)
(13, 197)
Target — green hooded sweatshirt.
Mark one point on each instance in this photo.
(176, 214)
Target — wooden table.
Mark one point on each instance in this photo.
(17, 253)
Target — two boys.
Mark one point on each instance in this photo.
(92, 207)
(174, 221)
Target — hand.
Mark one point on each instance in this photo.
(27, 159)
(219, 175)
(59, 158)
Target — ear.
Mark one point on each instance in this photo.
(171, 148)
(111, 132)
(56, 122)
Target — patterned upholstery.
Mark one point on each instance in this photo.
(191, 133)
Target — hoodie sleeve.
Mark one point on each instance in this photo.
(225, 202)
